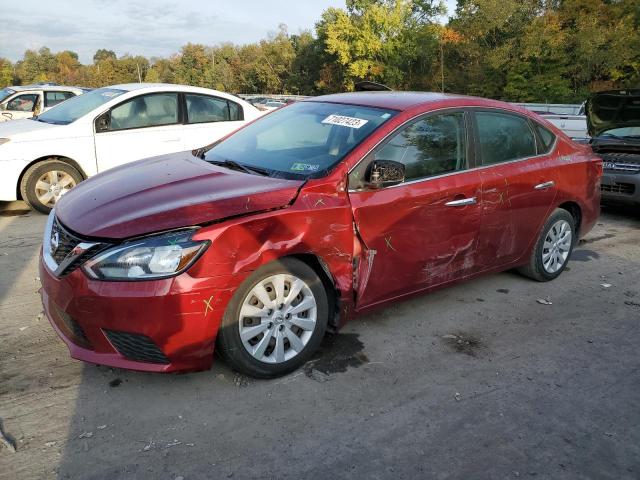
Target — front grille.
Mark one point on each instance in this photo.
(65, 248)
(72, 328)
(622, 188)
(136, 347)
(621, 161)
(66, 242)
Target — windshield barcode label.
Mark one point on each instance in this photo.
(343, 121)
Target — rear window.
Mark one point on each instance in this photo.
(504, 137)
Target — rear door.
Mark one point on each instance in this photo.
(421, 232)
(518, 175)
(209, 118)
(140, 127)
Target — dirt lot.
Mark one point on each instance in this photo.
(475, 381)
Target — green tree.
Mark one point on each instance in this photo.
(103, 54)
(6, 73)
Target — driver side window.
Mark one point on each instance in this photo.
(23, 103)
(146, 111)
(430, 146)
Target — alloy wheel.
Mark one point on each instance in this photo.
(52, 185)
(556, 247)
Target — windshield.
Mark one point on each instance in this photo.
(302, 140)
(5, 92)
(623, 132)
(76, 107)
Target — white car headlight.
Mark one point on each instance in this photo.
(158, 256)
(4, 140)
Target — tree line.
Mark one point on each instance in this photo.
(516, 50)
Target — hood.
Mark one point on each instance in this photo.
(17, 128)
(614, 109)
(166, 192)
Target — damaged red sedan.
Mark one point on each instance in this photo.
(322, 210)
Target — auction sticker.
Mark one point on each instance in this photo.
(343, 121)
(304, 167)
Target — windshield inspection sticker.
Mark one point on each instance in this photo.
(304, 167)
(343, 121)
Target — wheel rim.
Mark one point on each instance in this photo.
(556, 247)
(277, 318)
(52, 185)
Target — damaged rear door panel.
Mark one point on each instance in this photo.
(519, 184)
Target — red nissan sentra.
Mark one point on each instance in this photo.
(317, 212)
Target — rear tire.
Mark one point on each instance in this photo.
(266, 334)
(553, 247)
(44, 183)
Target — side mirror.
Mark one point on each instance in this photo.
(384, 173)
(103, 122)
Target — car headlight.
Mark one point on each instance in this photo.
(149, 258)
(4, 140)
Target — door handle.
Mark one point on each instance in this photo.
(545, 185)
(462, 202)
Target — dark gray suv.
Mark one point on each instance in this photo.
(613, 120)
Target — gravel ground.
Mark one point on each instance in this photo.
(475, 381)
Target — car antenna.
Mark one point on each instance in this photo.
(367, 86)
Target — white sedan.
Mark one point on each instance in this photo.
(43, 157)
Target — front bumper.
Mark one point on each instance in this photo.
(155, 326)
(10, 171)
(620, 187)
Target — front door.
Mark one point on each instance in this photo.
(141, 127)
(422, 232)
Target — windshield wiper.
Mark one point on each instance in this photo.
(239, 166)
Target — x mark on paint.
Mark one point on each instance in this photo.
(208, 305)
(319, 202)
(387, 240)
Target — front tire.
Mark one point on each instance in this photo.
(44, 183)
(275, 320)
(553, 248)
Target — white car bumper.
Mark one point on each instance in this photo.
(10, 171)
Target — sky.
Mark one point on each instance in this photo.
(153, 28)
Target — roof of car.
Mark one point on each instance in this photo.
(49, 88)
(402, 100)
(130, 87)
